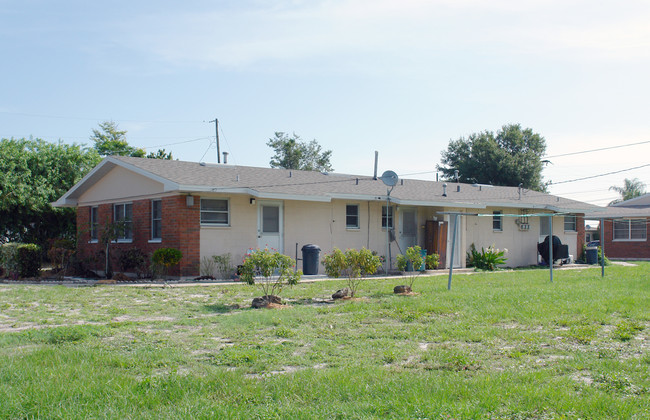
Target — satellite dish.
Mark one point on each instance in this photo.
(389, 178)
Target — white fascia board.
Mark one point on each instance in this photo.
(293, 197)
(356, 197)
(419, 203)
(254, 193)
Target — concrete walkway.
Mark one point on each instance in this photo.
(189, 281)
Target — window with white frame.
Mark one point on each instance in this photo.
(570, 223)
(215, 212)
(123, 218)
(387, 216)
(156, 220)
(497, 221)
(630, 230)
(352, 216)
(94, 224)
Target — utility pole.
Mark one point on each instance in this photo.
(216, 130)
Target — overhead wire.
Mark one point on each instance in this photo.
(596, 150)
(97, 119)
(599, 175)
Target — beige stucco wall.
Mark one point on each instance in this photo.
(324, 224)
(521, 244)
(120, 184)
(235, 239)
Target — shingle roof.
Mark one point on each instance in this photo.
(316, 186)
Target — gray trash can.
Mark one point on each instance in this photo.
(592, 254)
(310, 259)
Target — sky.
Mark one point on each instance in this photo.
(399, 77)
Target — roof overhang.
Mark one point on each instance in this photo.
(71, 198)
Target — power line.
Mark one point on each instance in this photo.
(599, 175)
(180, 142)
(597, 150)
(96, 119)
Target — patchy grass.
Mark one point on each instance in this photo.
(499, 345)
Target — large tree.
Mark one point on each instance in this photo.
(631, 188)
(34, 173)
(292, 153)
(111, 141)
(511, 157)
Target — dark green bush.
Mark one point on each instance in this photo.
(29, 260)
(133, 259)
(9, 260)
(167, 257)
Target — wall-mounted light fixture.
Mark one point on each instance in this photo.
(189, 200)
(252, 201)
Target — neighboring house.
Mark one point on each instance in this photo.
(592, 230)
(210, 209)
(626, 229)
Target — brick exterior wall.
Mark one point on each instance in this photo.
(625, 249)
(180, 230)
(580, 226)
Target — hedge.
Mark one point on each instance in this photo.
(23, 260)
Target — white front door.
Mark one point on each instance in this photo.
(269, 225)
(408, 228)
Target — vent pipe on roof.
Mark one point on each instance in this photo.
(456, 175)
(376, 160)
(290, 174)
(519, 190)
(225, 158)
(457, 188)
(444, 190)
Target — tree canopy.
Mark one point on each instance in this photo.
(631, 188)
(292, 153)
(34, 173)
(511, 157)
(111, 141)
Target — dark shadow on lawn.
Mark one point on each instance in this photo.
(220, 308)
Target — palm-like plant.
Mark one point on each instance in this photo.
(631, 188)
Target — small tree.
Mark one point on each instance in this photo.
(269, 270)
(166, 258)
(413, 260)
(354, 264)
(110, 232)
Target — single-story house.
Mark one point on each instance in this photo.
(626, 229)
(213, 209)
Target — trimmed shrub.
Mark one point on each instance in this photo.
(9, 259)
(354, 264)
(29, 260)
(334, 263)
(166, 258)
(269, 270)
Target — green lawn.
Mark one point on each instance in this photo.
(499, 345)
